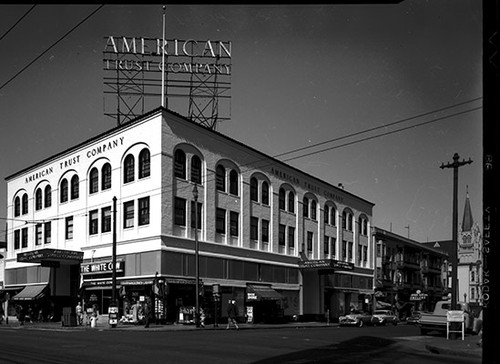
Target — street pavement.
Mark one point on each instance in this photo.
(437, 344)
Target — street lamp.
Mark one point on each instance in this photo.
(197, 258)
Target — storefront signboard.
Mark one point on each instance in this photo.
(101, 267)
(325, 263)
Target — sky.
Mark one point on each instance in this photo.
(302, 75)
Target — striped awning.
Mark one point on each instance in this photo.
(31, 293)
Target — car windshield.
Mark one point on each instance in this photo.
(381, 313)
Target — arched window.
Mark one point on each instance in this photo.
(128, 170)
(63, 193)
(332, 216)
(38, 199)
(327, 214)
(75, 187)
(233, 182)
(254, 189)
(180, 164)
(305, 206)
(196, 169)
(17, 206)
(265, 193)
(349, 221)
(291, 202)
(25, 204)
(282, 199)
(106, 177)
(144, 163)
(94, 180)
(344, 220)
(48, 196)
(313, 209)
(220, 178)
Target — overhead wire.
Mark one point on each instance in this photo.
(52, 46)
(17, 22)
(169, 187)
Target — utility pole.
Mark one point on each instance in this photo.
(454, 258)
(197, 258)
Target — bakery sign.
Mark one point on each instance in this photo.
(101, 267)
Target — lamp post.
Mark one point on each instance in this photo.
(197, 260)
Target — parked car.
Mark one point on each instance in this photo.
(414, 318)
(357, 318)
(386, 317)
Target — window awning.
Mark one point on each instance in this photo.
(31, 293)
(260, 293)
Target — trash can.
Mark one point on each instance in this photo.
(68, 318)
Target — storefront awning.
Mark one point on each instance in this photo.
(31, 293)
(259, 293)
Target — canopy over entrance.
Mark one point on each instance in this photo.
(262, 293)
(51, 257)
(31, 293)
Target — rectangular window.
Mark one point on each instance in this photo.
(254, 228)
(17, 239)
(326, 246)
(291, 237)
(220, 221)
(106, 219)
(38, 233)
(344, 250)
(234, 222)
(198, 212)
(265, 231)
(24, 238)
(93, 222)
(360, 253)
(333, 248)
(128, 214)
(143, 211)
(180, 211)
(310, 237)
(69, 227)
(281, 235)
(47, 232)
(365, 254)
(349, 252)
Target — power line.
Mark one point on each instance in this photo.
(167, 187)
(377, 127)
(53, 45)
(17, 22)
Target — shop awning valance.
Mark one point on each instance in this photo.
(31, 293)
(259, 293)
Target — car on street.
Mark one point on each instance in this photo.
(358, 318)
(385, 317)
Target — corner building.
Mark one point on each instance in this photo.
(279, 241)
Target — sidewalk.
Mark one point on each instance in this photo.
(438, 345)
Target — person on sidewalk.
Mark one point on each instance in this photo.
(232, 313)
(148, 312)
(79, 314)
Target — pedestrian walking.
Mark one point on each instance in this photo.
(148, 314)
(79, 314)
(232, 313)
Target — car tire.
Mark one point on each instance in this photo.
(360, 323)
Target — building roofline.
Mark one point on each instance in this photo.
(162, 110)
(408, 241)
